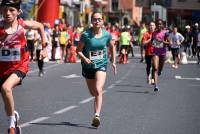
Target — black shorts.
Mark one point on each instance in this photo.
(89, 73)
(76, 43)
(30, 44)
(175, 52)
(54, 44)
(124, 47)
(20, 74)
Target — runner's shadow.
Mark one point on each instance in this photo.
(132, 91)
(64, 124)
(142, 91)
(131, 85)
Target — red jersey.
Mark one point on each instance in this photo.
(13, 55)
(149, 47)
(115, 35)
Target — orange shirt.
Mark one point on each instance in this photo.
(149, 47)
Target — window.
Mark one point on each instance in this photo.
(115, 4)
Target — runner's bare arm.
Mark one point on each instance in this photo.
(79, 50)
(37, 26)
(113, 55)
(113, 51)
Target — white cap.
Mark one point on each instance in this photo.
(128, 27)
(196, 24)
(187, 27)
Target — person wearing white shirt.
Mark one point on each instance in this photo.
(175, 39)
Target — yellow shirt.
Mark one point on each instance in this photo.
(63, 38)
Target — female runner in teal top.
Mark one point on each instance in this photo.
(92, 50)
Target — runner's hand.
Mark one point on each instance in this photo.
(114, 68)
(43, 53)
(1, 44)
(88, 61)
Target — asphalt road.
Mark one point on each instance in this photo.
(59, 102)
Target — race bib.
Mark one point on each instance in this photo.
(77, 39)
(56, 39)
(157, 44)
(96, 55)
(10, 54)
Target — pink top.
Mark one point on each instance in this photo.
(159, 46)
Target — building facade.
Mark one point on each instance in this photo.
(124, 12)
(178, 12)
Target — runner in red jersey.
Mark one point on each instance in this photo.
(149, 48)
(14, 57)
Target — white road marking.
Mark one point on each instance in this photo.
(105, 91)
(65, 109)
(86, 100)
(192, 62)
(30, 123)
(182, 78)
(111, 86)
(71, 76)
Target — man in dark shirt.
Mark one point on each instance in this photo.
(195, 39)
(188, 41)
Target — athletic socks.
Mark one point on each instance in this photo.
(11, 121)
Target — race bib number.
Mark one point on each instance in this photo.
(96, 55)
(11, 54)
(77, 39)
(56, 39)
(157, 44)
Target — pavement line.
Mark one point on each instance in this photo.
(30, 123)
(111, 86)
(192, 62)
(183, 78)
(86, 100)
(105, 91)
(65, 109)
(89, 99)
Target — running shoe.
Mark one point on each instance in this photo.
(96, 121)
(148, 80)
(198, 61)
(159, 73)
(152, 81)
(41, 74)
(17, 129)
(156, 89)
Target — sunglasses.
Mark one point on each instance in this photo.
(159, 23)
(96, 19)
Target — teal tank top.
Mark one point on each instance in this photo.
(95, 48)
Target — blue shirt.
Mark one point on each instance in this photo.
(95, 48)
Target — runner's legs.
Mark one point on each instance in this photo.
(7, 94)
